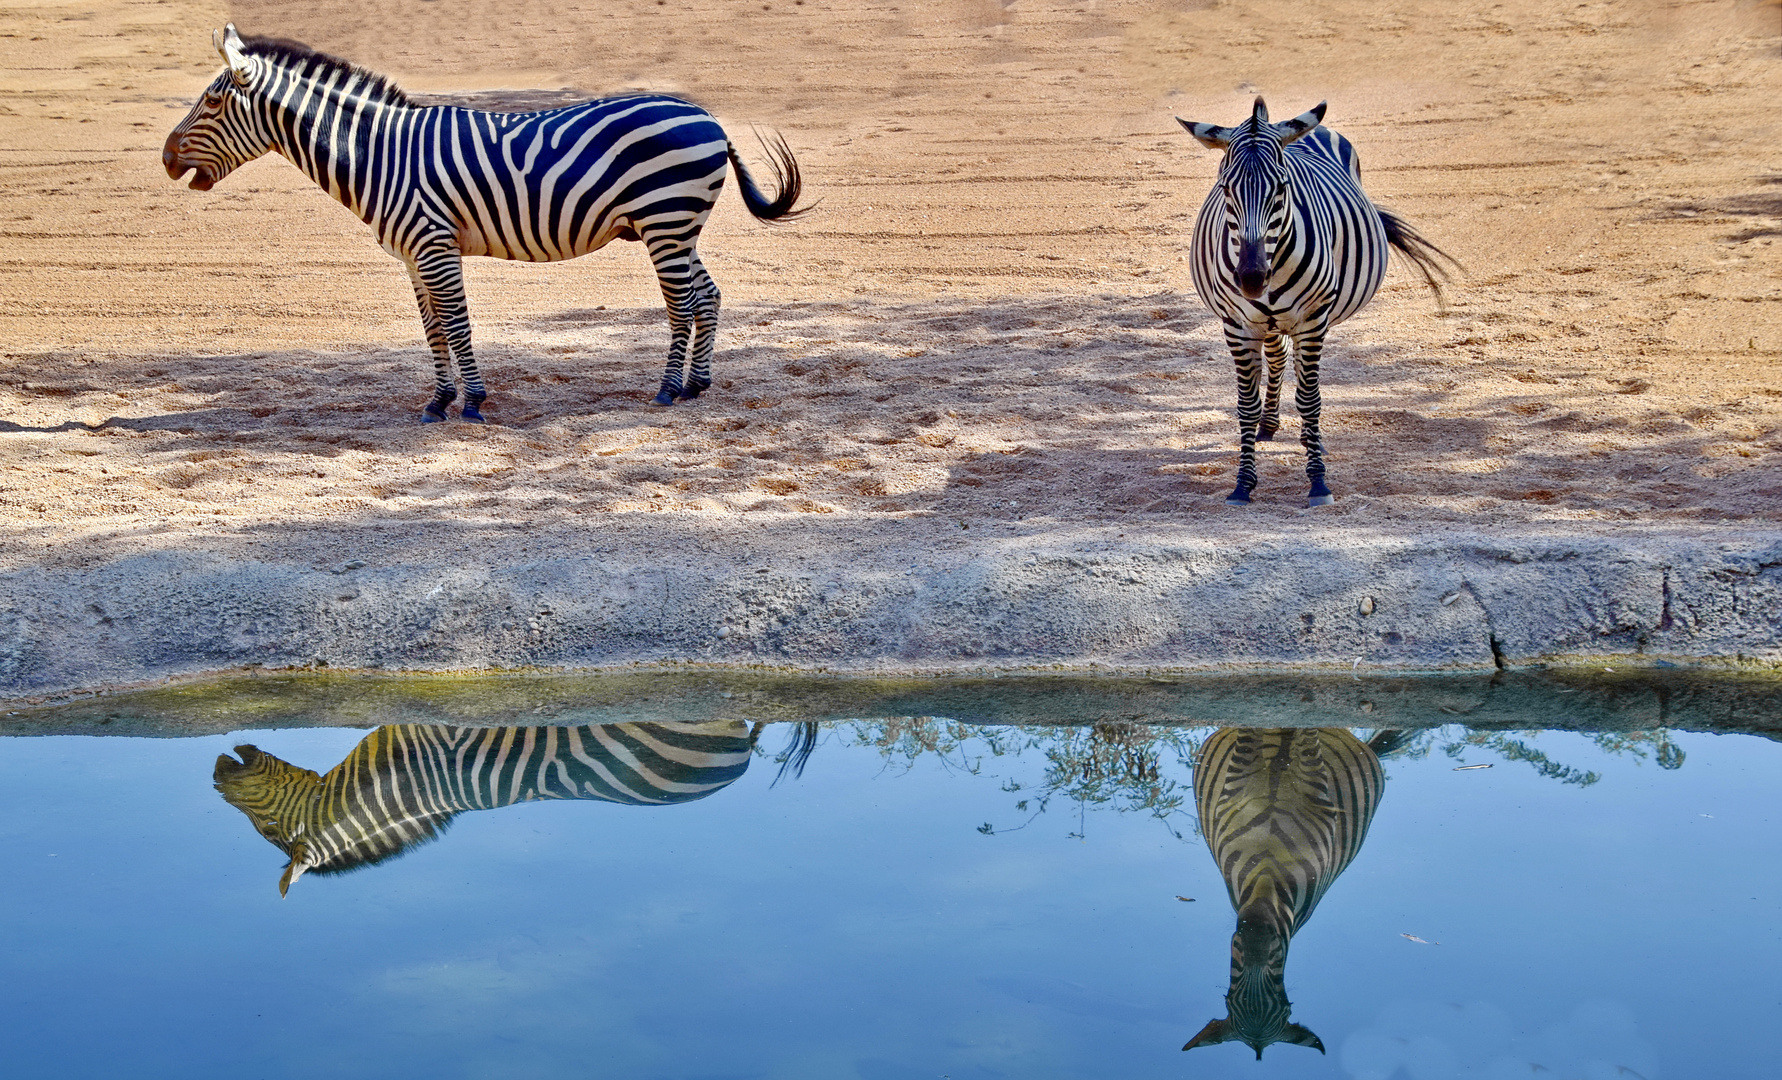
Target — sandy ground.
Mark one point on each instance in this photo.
(987, 321)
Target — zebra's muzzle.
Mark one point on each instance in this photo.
(177, 167)
(1252, 270)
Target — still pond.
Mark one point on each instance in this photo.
(1550, 877)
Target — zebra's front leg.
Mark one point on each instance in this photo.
(438, 277)
(706, 300)
(1246, 353)
(444, 392)
(674, 272)
(1308, 346)
(1274, 349)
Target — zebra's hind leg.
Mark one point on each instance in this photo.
(674, 259)
(706, 300)
(1309, 346)
(1246, 353)
(1274, 350)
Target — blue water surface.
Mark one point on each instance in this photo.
(859, 921)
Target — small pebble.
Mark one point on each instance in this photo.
(1367, 606)
(1450, 598)
(724, 632)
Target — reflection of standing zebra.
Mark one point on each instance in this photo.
(436, 184)
(1284, 810)
(1288, 244)
(403, 783)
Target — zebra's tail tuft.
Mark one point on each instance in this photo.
(783, 206)
(1422, 254)
(798, 751)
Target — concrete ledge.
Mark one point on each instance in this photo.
(797, 596)
(1579, 699)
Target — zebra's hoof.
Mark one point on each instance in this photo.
(694, 389)
(1239, 497)
(1266, 434)
(1320, 495)
(664, 397)
(473, 415)
(434, 413)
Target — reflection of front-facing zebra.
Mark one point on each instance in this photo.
(1284, 810)
(437, 184)
(403, 784)
(1287, 244)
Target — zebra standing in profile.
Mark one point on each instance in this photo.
(1287, 245)
(437, 184)
(404, 783)
(1284, 811)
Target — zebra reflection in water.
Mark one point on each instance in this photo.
(404, 783)
(1284, 811)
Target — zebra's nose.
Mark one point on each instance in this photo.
(1252, 282)
(170, 158)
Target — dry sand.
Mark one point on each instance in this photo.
(987, 323)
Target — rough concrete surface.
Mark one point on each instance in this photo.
(799, 594)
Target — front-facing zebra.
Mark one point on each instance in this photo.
(440, 183)
(1287, 245)
(1284, 812)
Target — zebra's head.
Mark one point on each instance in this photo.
(223, 131)
(279, 798)
(1256, 187)
(309, 817)
(1256, 1005)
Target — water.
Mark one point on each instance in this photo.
(930, 898)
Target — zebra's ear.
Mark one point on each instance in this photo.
(1211, 136)
(1303, 123)
(1214, 1032)
(299, 863)
(1299, 1035)
(234, 51)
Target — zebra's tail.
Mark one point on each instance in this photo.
(798, 751)
(1422, 254)
(783, 206)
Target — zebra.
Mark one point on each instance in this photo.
(1284, 811)
(439, 183)
(1287, 245)
(402, 785)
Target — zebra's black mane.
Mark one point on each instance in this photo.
(363, 854)
(287, 53)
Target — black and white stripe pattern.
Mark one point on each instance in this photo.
(403, 784)
(1287, 245)
(1284, 811)
(439, 183)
